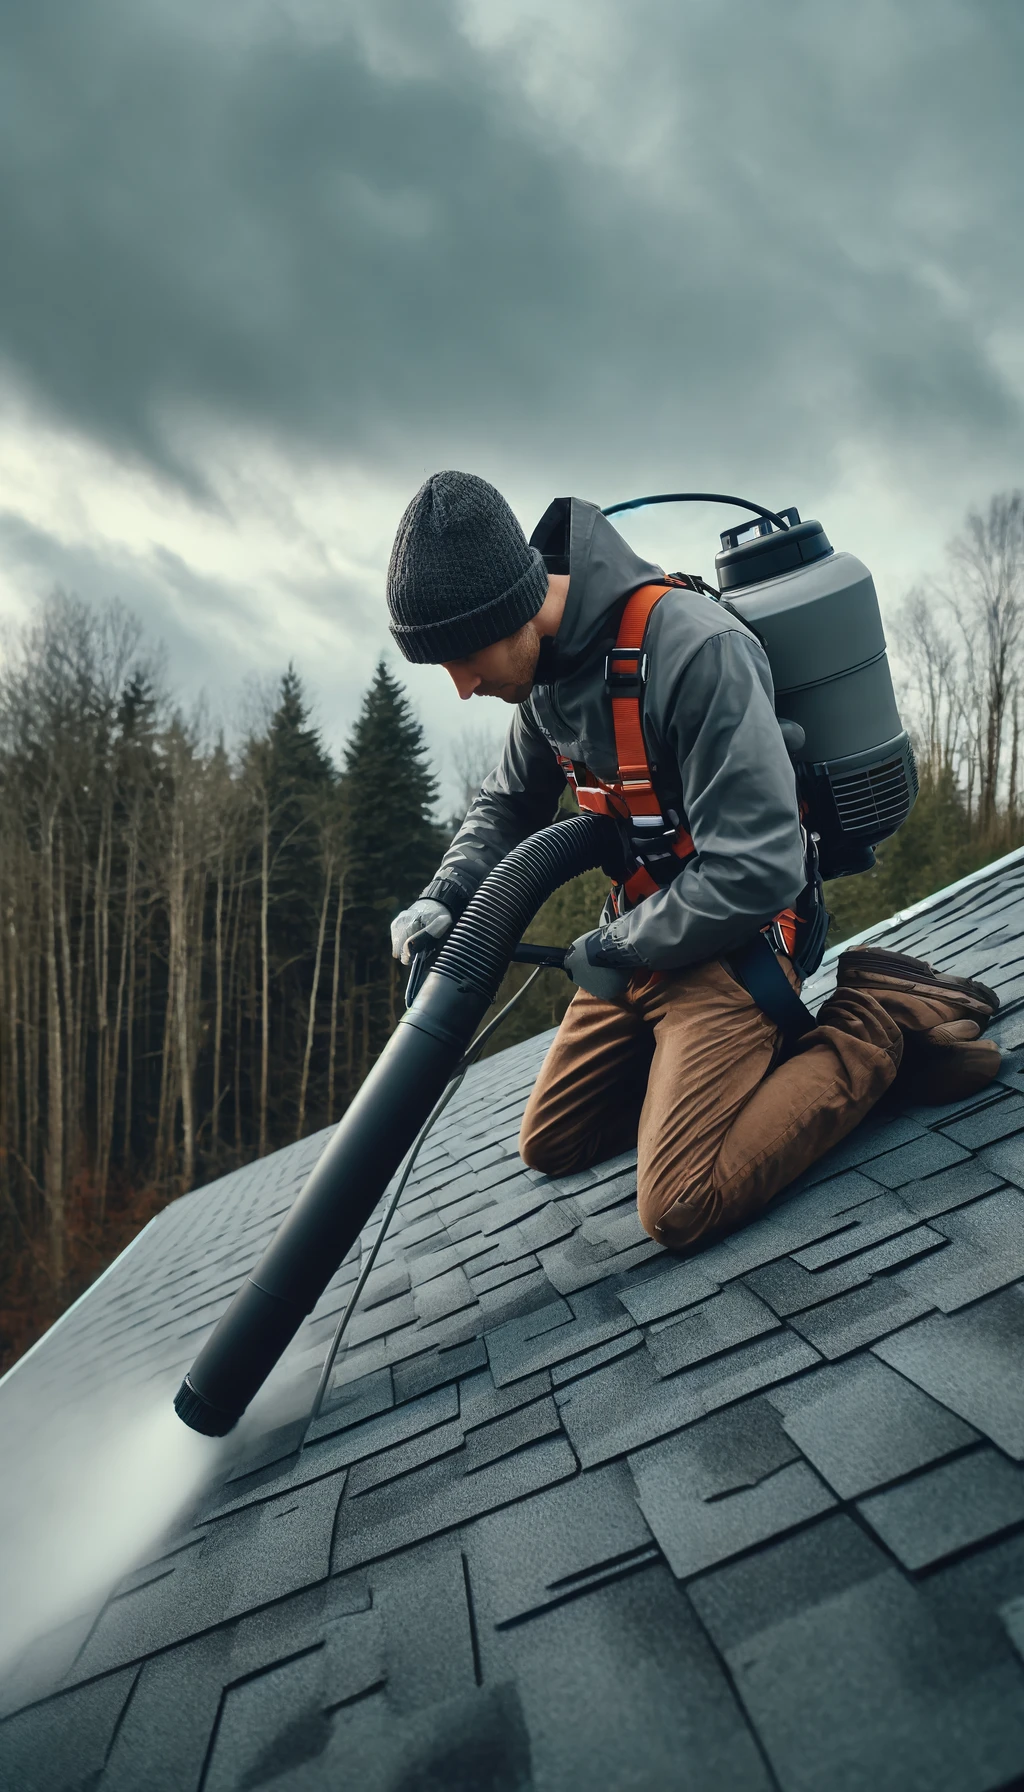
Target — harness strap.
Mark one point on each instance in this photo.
(757, 968)
(625, 683)
(632, 798)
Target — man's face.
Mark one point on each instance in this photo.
(505, 670)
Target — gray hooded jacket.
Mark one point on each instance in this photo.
(715, 749)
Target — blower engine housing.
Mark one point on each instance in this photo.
(817, 613)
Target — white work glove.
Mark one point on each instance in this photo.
(604, 980)
(422, 916)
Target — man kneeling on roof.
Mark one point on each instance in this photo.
(662, 1047)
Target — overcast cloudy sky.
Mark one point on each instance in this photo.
(267, 265)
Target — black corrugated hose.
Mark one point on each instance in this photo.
(381, 1124)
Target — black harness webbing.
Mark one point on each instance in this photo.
(757, 968)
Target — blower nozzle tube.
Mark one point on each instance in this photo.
(378, 1128)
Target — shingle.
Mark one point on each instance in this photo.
(669, 1290)
(862, 1425)
(938, 1115)
(480, 1402)
(390, 1316)
(921, 1157)
(526, 1425)
(436, 1368)
(384, 1285)
(445, 1503)
(514, 1208)
(745, 1599)
(986, 1253)
(950, 1188)
(790, 1289)
(882, 1217)
(441, 1334)
(1005, 1159)
(728, 1482)
(404, 1458)
(849, 1677)
(526, 1556)
(971, 1363)
(727, 1319)
(856, 1319)
(621, 1688)
(499, 1274)
(523, 1293)
(278, 1719)
(524, 1346)
(795, 1220)
(577, 1264)
(624, 1406)
(948, 1508)
(996, 1121)
(506, 1343)
(434, 1263)
(247, 1559)
(61, 1745)
(607, 1193)
(552, 1223)
(423, 1601)
(446, 1294)
(589, 1360)
(618, 1228)
(358, 1400)
(163, 1740)
(386, 1429)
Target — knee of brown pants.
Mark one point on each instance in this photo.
(540, 1149)
(691, 1217)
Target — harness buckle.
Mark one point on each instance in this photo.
(625, 684)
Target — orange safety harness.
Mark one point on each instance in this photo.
(659, 845)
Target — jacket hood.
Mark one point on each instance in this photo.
(575, 537)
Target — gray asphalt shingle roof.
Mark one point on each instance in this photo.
(577, 1512)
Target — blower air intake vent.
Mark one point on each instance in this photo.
(876, 801)
(854, 803)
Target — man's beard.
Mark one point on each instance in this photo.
(524, 652)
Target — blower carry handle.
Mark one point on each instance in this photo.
(771, 516)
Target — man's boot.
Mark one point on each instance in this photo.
(940, 1016)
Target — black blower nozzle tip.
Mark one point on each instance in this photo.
(196, 1411)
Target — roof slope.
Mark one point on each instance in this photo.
(576, 1511)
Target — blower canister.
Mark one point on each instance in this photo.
(817, 613)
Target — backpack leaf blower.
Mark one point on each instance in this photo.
(817, 616)
(375, 1132)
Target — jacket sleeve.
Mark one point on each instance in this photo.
(518, 797)
(739, 793)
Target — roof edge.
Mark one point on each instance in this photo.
(59, 1321)
(980, 876)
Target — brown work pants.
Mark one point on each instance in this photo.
(686, 1067)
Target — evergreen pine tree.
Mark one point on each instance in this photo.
(300, 778)
(393, 848)
(293, 787)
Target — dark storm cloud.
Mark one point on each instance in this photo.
(767, 231)
(207, 633)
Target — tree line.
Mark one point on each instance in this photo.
(195, 962)
(194, 953)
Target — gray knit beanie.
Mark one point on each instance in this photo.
(461, 575)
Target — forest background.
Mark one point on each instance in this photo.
(195, 963)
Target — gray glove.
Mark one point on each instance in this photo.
(604, 980)
(422, 916)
